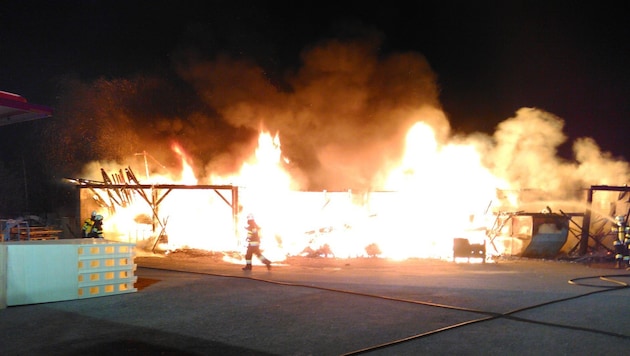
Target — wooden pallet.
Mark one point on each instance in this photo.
(36, 233)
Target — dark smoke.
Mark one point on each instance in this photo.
(341, 116)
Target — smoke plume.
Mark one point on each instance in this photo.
(341, 116)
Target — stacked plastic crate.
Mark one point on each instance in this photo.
(106, 269)
(66, 269)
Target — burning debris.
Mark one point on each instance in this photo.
(343, 224)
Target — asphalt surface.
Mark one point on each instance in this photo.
(195, 304)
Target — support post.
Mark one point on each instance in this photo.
(586, 223)
(235, 209)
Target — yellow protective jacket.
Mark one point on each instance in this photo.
(92, 227)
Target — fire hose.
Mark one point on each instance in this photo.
(612, 285)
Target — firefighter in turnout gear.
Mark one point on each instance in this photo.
(253, 244)
(93, 226)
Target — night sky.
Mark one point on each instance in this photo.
(489, 58)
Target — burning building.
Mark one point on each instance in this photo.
(395, 224)
(368, 158)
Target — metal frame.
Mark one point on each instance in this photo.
(587, 215)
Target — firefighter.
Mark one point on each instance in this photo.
(93, 226)
(253, 244)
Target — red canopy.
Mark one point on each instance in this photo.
(14, 108)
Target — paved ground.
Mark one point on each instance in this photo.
(196, 304)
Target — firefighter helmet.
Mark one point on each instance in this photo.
(620, 219)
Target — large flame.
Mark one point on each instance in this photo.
(425, 202)
(365, 125)
(436, 192)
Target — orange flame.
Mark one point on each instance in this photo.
(188, 174)
(427, 201)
